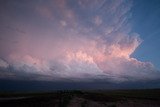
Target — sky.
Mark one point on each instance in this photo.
(96, 42)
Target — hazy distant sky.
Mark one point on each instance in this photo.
(80, 40)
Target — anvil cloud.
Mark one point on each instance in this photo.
(77, 40)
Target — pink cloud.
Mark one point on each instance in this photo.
(92, 41)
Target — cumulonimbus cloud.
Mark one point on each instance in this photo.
(82, 42)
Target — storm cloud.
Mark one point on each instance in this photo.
(68, 40)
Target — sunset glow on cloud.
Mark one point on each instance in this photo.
(74, 40)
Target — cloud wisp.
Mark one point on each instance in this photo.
(82, 40)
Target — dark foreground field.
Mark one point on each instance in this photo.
(98, 98)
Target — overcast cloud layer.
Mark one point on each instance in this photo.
(77, 40)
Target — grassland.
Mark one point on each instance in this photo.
(82, 98)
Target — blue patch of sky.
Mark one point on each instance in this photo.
(146, 22)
